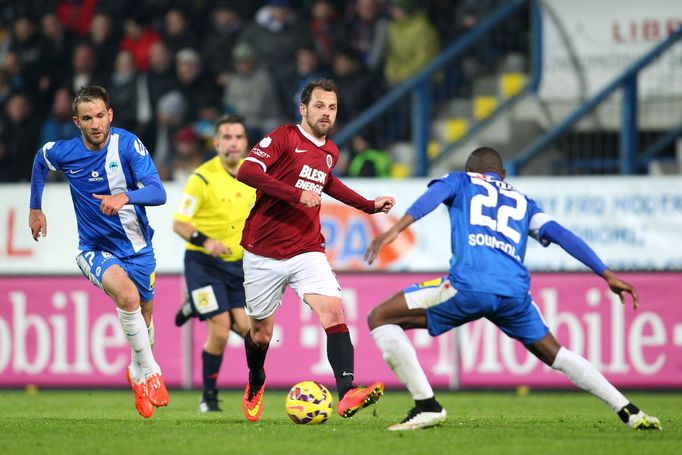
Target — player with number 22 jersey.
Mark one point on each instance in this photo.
(490, 222)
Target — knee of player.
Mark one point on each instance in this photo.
(127, 299)
(373, 318)
(219, 337)
(261, 338)
(334, 314)
(377, 316)
(240, 329)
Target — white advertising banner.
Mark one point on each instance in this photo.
(633, 223)
(586, 44)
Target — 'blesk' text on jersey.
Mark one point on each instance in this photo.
(311, 179)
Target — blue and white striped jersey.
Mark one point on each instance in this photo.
(120, 166)
(490, 222)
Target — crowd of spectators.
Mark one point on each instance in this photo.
(173, 67)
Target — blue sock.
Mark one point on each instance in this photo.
(211, 368)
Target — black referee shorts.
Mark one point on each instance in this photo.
(214, 285)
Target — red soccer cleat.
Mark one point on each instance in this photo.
(359, 398)
(156, 390)
(144, 407)
(253, 408)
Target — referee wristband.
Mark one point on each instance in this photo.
(197, 238)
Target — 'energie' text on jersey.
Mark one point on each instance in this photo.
(311, 179)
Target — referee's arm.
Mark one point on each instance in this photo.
(189, 234)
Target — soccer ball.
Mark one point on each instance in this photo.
(309, 403)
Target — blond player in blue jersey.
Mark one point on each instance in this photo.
(210, 219)
(491, 222)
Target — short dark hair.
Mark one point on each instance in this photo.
(484, 159)
(327, 85)
(230, 119)
(88, 94)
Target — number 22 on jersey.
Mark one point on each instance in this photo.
(505, 213)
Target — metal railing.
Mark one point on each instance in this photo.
(419, 87)
(629, 161)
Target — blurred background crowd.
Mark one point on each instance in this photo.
(172, 67)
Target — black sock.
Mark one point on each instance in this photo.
(340, 356)
(210, 370)
(627, 410)
(428, 405)
(255, 359)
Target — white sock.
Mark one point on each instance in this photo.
(136, 373)
(400, 355)
(150, 333)
(135, 330)
(583, 374)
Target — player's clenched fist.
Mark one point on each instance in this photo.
(384, 204)
(310, 198)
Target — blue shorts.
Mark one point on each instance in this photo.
(140, 269)
(447, 307)
(214, 285)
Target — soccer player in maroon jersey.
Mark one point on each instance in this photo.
(284, 245)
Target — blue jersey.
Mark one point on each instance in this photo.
(118, 167)
(490, 222)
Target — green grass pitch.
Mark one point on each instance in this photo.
(105, 421)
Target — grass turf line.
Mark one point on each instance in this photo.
(104, 421)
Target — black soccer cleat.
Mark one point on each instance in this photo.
(184, 314)
(209, 402)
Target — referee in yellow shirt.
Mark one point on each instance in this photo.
(211, 218)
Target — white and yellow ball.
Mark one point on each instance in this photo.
(309, 403)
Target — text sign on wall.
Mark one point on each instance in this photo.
(639, 348)
(63, 331)
(631, 222)
(587, 44)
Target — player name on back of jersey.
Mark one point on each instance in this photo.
(311, 179)
(493, 242)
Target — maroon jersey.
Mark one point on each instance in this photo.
(280, 167)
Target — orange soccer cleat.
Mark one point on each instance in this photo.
(156, 390)
(253, 407)
(359, 398)
(144, 407)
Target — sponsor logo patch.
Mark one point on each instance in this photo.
(95, 177)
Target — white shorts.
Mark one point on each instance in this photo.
(265, 280)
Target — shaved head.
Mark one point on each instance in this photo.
(485, 159)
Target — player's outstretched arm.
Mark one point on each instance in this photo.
(38, 224)
(621, 287)
(342, 193)
(437, 192)
(387, 237)
(189, 234)
(577, 248)
(36, 218)
(152, 193)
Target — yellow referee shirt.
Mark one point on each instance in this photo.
(217, 204)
